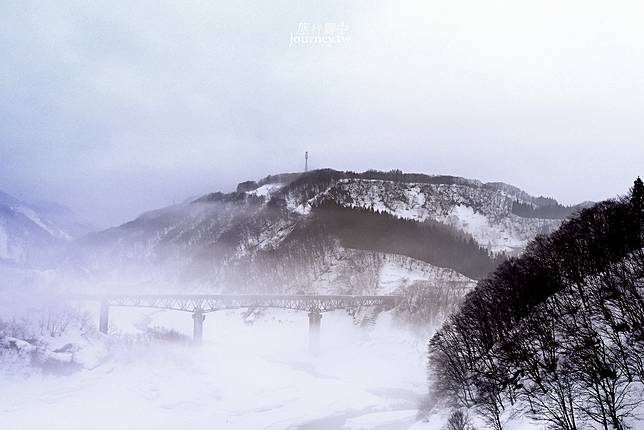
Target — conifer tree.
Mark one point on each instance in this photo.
(637, 205)
(637, 195)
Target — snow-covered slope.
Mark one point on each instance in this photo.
(482, 210)
(28, 230)
(352, 271)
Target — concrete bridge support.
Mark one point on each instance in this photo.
(197, 331)
(315, 319)
(103, 322)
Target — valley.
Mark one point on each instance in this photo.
(250, 270)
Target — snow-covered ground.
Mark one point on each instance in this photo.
(251, 372)
(246, 375)
(266, 190)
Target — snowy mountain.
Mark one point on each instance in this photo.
(485, 211)
(29, 231)
(323, 231)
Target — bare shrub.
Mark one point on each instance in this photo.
(459, 420)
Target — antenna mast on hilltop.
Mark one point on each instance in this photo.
(306, 161)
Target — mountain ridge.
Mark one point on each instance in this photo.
(267, 233)
(29, 232)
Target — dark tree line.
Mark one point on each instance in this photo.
(553, 211)
(557, 333)
(327, 175)
(432, 242)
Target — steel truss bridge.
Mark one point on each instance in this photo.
(200, 304)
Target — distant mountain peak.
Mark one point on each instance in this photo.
(28, 230)
(7, 199)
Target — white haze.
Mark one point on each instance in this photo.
(248, 374)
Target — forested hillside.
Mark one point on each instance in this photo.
(557, 333)
(432, 242)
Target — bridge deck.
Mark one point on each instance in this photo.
(216, 302)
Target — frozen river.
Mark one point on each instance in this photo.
(245, 376)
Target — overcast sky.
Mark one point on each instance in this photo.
(116, 108)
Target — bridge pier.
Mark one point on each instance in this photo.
(315, 319)
(103, 322)
(197, 330)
